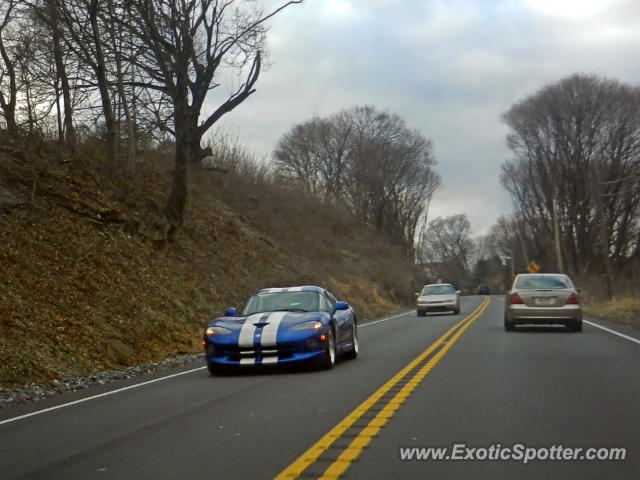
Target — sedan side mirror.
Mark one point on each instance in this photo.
(340, 306)
(230, 312)
(458, 292)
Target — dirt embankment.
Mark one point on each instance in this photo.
(88, 283)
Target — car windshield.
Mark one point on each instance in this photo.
(282, 301)
(438, 290)
(541, 283)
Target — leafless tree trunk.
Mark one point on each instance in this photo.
(8, 103)
(53, 20)
(100, 68)
(84, 27)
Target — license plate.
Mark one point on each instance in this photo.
(544, 301)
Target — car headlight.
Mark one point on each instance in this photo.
(215, 330)
(313, 325)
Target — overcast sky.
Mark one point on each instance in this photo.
(449, 68)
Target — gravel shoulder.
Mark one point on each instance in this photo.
(34, 392)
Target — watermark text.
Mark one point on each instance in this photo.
(517, 452)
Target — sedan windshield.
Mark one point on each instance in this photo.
(438, 290)
(282, 301)
(541, 283)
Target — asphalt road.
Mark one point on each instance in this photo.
(435, 381)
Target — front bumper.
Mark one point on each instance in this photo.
(300, 350)
(437, 307)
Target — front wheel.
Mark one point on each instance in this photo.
(355, 347)
(329, 359)
(215, 369)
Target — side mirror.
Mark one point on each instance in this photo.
(340, 306)
(458, 292)
(230, 312)
(417, 294)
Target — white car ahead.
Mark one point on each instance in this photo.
(438, 297)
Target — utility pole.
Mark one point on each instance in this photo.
(513, 270)
(525, 257)
(556, 234)
(603, 228)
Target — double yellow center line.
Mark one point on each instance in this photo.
(403, 382)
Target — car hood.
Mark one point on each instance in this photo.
(283, 318)
(437, 298)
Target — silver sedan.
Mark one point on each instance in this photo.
(438, 297)
(543, 299)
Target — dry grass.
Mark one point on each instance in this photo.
(625, 310)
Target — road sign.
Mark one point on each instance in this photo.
(533, 267)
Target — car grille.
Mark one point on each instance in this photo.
(239, 353)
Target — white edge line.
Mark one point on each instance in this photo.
(130, 387)
(613, 331)
(105, 394)
(384, 319)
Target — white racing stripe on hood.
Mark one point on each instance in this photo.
(270, 331)
(245, 339)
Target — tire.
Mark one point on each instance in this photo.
(215, 369)
(329, 359)
(509, 326)
(576, 326)
(457, 310)
(421, 313)
(353, 353)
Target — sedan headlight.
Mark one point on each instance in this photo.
(313, 325)
(215, 330)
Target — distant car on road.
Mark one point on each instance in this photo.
(438, 297)
(543, 299)
(283, 326)
(483, 290)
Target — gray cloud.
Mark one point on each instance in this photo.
(450, 68)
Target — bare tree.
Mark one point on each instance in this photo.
(50, 14)
(315, 153)
(8, 75)
(114, 30)
(447, 249)
(370, 162)
(27, 73)
(89, 25)
(189, 44)
(574, 176)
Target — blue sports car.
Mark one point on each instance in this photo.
(283, 326)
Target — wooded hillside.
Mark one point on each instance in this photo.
(90, 283)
